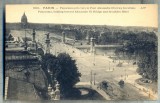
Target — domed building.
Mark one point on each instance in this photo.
(24, 20)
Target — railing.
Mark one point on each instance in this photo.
(99, 46)
(20, 57)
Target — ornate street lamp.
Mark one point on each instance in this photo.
(50, 74)
(57, 92)
(94, 78)
(54, 95)
(49, 88)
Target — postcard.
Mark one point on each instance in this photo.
(95, 52)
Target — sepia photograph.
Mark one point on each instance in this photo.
(81, 52)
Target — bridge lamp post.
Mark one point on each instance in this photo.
(47, 41)
(25, 40)
(91, 79)
(55, 49)
(94, 78)
(125, 74)
(109, 66)
(94, 59)
(51, 91)
(50, 74)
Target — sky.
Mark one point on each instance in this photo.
(138, 15)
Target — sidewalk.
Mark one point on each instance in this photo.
(144, 90)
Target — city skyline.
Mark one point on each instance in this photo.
(133, 18)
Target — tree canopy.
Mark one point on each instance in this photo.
(64, 70)
(144, 48)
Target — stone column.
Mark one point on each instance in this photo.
(92, 48)
(47, 43)
(63, 37)
(34, 34)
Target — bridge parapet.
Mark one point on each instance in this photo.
(99, 46)
(28, 57)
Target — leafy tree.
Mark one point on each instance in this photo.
(147, 66)
(105, 84)
(63, 69)
(49, 63)
(145, 50)
(46, 60)
(69, 75)
(147, 62)
(121, 83)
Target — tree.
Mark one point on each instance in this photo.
(69, 75)
(143, 46)
(121, 83)
(64, 70)
(49, 63)
(105, 84)
(148, 66)
(46, 60)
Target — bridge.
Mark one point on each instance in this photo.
(97, 46)
(100, 91)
